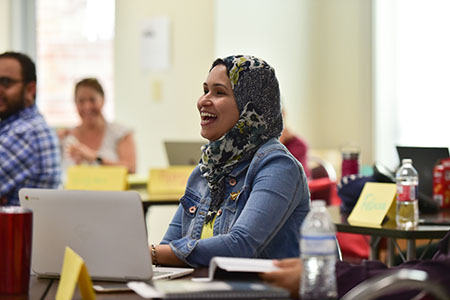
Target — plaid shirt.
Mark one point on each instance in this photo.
(29, 155)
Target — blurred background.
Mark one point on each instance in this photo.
(365, 73)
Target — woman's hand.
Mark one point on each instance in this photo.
(287, 277)
(62, 133)
(80, 152)
(163, 255)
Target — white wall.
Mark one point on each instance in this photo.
(5, 23)
(385, 98)
(321, 51)
(275, 31)
(341, 75)
(174, 115)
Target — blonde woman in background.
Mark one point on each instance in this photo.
(96, 141)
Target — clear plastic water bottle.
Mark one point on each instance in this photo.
(318, 254)
(407, 179)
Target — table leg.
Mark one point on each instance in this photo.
(390, 252)
(410, 249)
(374, 241)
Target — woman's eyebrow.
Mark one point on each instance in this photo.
(220, 85)
(216, 85)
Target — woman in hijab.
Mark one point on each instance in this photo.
(248, 196)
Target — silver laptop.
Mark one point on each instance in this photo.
(107, 229)
(181, 153)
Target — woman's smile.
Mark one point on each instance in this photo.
(207, 118)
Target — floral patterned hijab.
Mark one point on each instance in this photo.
(257, 95)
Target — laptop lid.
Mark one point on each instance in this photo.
(423, 159)
(107, 229)
(183, 153)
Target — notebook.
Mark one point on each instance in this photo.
(423, 159)
(106, 228)
(217, 289)
(183, 153)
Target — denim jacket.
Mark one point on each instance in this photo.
(267, 199)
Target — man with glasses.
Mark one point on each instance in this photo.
(29, 150)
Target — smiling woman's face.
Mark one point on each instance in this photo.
(217, 106)
(89, 103)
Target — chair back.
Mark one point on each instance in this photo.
(404, 279)
(322, 182)
(321, 168)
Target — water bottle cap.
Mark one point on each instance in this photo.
(406, 161)
(318, 203)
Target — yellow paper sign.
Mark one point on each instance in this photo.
(169, 181)
(74, 271)
(97, 178)
(375, 202)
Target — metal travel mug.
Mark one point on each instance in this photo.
(16, 224)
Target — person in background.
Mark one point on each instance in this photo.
(96, 141)
(248, 196)
(29, 149)
(297, 146)
(349, 275)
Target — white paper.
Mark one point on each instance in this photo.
(233, 264)
(155, 43)
(144, 290)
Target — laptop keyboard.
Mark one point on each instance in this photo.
(160, 273)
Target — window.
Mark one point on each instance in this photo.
(75, 39)
(412, 63)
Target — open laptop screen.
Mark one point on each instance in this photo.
(181, 153)
(107, 229)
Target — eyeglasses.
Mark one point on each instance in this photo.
(7, 82)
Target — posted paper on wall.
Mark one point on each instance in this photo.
(155, 43)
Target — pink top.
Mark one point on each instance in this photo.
(299, 149)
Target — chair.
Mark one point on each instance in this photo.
(404, 279)
(322, 182)
(321, 168)
(338, 250)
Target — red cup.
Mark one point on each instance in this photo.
(16, 224)
(350, 162)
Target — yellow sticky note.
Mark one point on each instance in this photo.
(97, 178)
(74, 271)
(169, 181)
(375, 202)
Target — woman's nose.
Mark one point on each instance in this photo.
(87, 105)
(204, 100)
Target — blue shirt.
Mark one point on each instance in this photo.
(29, 154)
(267, 199)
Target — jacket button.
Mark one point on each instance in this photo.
(192, 209)
(232, 182)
